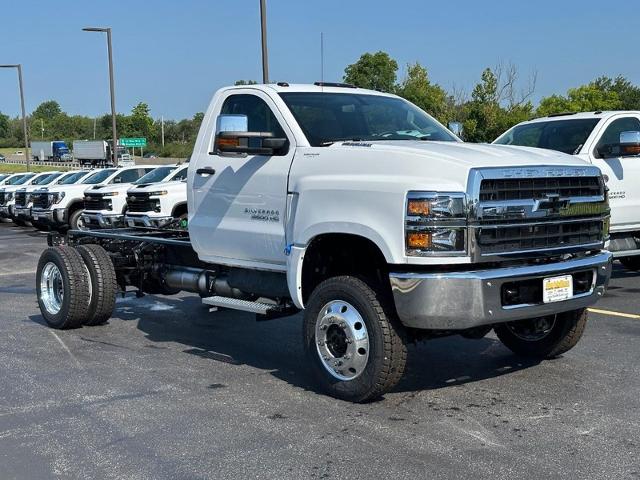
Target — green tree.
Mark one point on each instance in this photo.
(418, 89)
(141, 123)
(4, 125)
(628, 93)
(586, 98)
(47, 110)
(376, 71)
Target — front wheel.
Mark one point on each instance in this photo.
(543, 337)
(353, 340)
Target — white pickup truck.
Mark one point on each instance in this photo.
(364, 212)
(8, 193)
(62, 206)
(610, 141)
(158, 198)
(106, 205)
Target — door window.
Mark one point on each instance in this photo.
(611, 136)
(128, 176)
(259, 115)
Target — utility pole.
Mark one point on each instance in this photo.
(95, 120)
(265, 58)
(114, 145)
(162, 129)
(41, 129)
(27, 157)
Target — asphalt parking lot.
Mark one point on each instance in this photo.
(168, 390)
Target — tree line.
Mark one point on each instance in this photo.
(499, 100)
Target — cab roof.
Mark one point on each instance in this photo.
(582, 115)
(318, 87)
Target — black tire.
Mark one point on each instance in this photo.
(74, 218)
(104, 286)
(563, 335)
(74, 305)
(631, 263)
(386, 340)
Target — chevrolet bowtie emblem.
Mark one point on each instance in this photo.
(552, 203)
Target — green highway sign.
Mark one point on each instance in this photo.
(133, 142)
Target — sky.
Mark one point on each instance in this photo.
(173, 55)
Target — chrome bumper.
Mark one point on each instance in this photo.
(461, 300)
(103, 221)
(146, 221)
(23, 212)
(50, 217)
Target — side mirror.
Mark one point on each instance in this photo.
(456, 128)
(629, 146)
(232, 136)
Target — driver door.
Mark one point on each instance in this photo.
(622, 174)
(240, 199)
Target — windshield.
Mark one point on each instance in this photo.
(330, 117)
(71, 179)
(2, 177)
(20, 180)
(566, 136)
(99, 177)
(46, 179)
(155, 175)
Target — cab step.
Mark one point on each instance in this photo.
(238, 304)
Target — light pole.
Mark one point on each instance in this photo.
(114, 145)
(263, 25)
(24, 114)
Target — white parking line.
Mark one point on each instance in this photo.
(614, 314)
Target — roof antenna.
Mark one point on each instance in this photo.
(322, 60)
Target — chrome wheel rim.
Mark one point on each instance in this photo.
(51, 288)
(80, 224)
(342, 340)
(534, 329)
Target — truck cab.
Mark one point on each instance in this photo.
(105, 205)
(610, 141)
(159, 198)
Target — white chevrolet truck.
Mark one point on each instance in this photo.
(106, 205)
(159, 198)
(610, 141)
(362, 211)
(9, 192)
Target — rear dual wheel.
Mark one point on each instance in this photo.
(75, 286)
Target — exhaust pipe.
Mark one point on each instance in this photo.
(203, 282)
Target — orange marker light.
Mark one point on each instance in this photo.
(227, 142)
(418, 207)
(418, 240)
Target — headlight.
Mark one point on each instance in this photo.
(110, 194)
(10, 196)
(56, 197)
(436, 224)
(158, 193)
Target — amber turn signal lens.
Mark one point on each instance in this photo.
(227, 142)
(418, 240)
(631, 149)
(418, 207)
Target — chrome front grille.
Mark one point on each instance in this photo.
(536, 211)
(21, 199)
(535, 188)
(96, 203)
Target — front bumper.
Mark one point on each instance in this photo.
(462, 300)
(23, 213)
(54, 218)
(146, 221)
(6, 211)
(99, 220)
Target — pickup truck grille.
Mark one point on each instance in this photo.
(3, 198)
(140, 202)
(96, 203)
(536, 211)
(536, 188)
(21, 199)
(539, 236)
(40, 201)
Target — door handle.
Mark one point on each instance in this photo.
(206, 171)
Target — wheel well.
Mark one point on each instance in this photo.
(75, 206)
(336, 254)
(179, 209)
